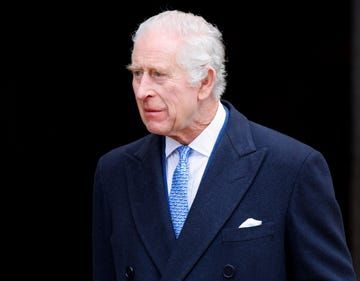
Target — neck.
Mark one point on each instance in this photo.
(205, 115)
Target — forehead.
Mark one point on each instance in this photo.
(155, 49)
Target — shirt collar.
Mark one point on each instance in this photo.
(203, 143)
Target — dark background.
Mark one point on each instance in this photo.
(68, 99)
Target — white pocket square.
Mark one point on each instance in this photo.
(250, 222)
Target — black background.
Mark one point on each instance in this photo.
(68, 99)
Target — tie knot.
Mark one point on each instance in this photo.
(184, 152)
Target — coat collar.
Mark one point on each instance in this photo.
(148, 200)
(234, 164)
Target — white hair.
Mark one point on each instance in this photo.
(203, 45)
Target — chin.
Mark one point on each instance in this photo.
(156, 129)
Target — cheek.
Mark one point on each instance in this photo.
(184, 100)
(135, 87)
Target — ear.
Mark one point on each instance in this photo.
(207, 84)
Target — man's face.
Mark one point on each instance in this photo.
(167, 102)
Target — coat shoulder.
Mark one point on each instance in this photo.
(130, 150)
(279, 144)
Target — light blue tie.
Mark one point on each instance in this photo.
(178, 194)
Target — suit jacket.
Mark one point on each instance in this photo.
(254, 172)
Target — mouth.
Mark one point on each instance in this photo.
(151, 110)
(155, 114)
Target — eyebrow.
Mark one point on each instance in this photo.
(132, 67)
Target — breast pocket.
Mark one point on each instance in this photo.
(248, 233)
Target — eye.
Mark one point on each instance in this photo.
(157, 74)
(137, 73)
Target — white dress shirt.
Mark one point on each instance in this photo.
(202, 147)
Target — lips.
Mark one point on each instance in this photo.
(155, 114)
(151, 110)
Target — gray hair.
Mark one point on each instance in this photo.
(203, 45)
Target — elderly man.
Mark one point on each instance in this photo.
(209, 195)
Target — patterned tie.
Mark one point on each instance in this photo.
(178, 194)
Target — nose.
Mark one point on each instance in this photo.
(143, 87)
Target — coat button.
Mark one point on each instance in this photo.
(229, 271)
(129, 273)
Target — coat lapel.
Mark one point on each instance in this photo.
(149, 201)
(231, 171)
